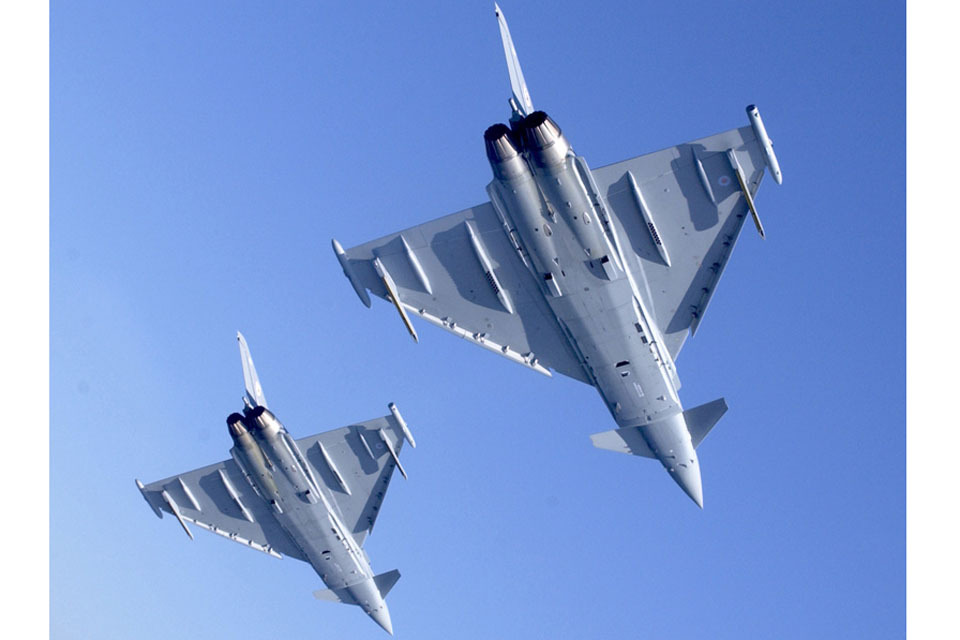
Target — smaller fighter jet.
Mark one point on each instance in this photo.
(314, 499)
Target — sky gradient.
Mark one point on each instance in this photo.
(203, 157)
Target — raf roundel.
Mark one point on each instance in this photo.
(723, 181)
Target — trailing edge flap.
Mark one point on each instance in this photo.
(384, 582)
(699, 420)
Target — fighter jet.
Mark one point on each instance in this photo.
(598, 274)
(314, 499)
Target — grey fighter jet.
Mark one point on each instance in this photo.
(599, 274)
(314, 499)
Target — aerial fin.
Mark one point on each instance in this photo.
(521, 103)
(251, 383)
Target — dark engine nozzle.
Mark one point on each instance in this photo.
(249, 455)
(236, 426)
(502, 152)
(544, 140)
(262, 418)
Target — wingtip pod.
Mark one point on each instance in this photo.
(348, 272)
(403, 424)
(766, 144)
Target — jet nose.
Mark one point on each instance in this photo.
(670, 441)
(686, 473)
(382, 617)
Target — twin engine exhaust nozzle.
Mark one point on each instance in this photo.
(248, 453)
(258, 418)
(537, 134)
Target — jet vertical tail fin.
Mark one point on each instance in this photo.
(251, 383)
(521, 103)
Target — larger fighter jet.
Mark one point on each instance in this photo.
(599, 274)
(314, 499)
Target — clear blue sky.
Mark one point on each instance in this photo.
(203, 156)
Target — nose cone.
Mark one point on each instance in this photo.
(671, 443)
(382, 617)
(371, 601)
(687, 475)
